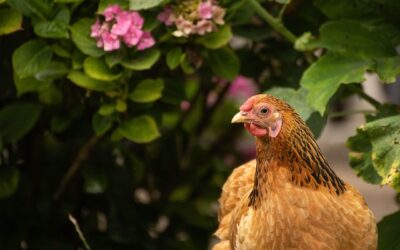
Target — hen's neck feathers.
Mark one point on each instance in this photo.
(295, 150)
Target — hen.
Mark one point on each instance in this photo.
(289, 197)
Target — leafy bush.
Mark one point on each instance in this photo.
(131, 134)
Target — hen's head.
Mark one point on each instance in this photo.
(264, 115)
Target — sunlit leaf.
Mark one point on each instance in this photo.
(147, 90)
(141, 129)
(10, 21)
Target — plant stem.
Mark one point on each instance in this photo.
(351, 112)
(79, 231)
(275, 23)
(80, 156)
(366, 97)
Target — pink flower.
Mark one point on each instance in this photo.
(166, 16)
(185, 105)
(205, 10)
(146, 41)
(218, 15)
(110, 41)
(204, 26)
(110, 12)
(184, 26)
(242, 87)
(120, 25)
(123, 23)
(137, 20)
(133, 36)
(96, 29)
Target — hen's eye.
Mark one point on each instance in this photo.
(264, 110)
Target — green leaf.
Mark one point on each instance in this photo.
(147, 90)
(174, 58)
(388, 231)
(10, 21)
(31, 57)
(224, 63)
(296, 98)
(143, 60)
(375, 151)
(323, 78)
(143, 4)
(80, 35)
(388, 69)
(9, 179)
(50, 95)
(59, 123)
(33, 8)
(84, 81)
(218, 39)
(97, 68)
(16, 120)
(353, 37)
(54, 71)
(142, 129)
(57, 28)
(106, 109)
(101, 124)
(29, 84)
(105, 3)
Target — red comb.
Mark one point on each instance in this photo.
(248, 105)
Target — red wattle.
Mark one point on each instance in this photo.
(255, 130)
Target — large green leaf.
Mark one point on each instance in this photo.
(84, 81)
(388, 68)
(141, 129)
(388, 232)
(97, 68)
(54, 71)
(56, 28)
(347, 36)
(143, 4)
(376, 148)
(323, 78)
(29, 84)
(9, 179)
(296, 98)
(10, 21)
(142, 60)
(31, 57)
(224, 63)
(216, 39)
(80, 35)
(16, 120)
(147, 90)
(33, 8)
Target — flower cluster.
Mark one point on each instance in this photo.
(242, 88)
(193, 17)
(121, 26)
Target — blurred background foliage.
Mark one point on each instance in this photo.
(137, 144)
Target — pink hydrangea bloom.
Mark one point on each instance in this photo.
(166, 16)
(205, 10)
(121, 26)
(241, 88)
(200, 20)
(123, 23)
(203, 27)
(133, 36)
(110, 41)
(110, 12)
(146, 41)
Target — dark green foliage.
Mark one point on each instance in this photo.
(137, 144)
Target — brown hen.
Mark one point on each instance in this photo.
(289, 197)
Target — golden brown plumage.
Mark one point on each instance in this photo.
(289, 197)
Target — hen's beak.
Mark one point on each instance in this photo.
(240, 117)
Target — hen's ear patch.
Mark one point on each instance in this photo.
(275, 128)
